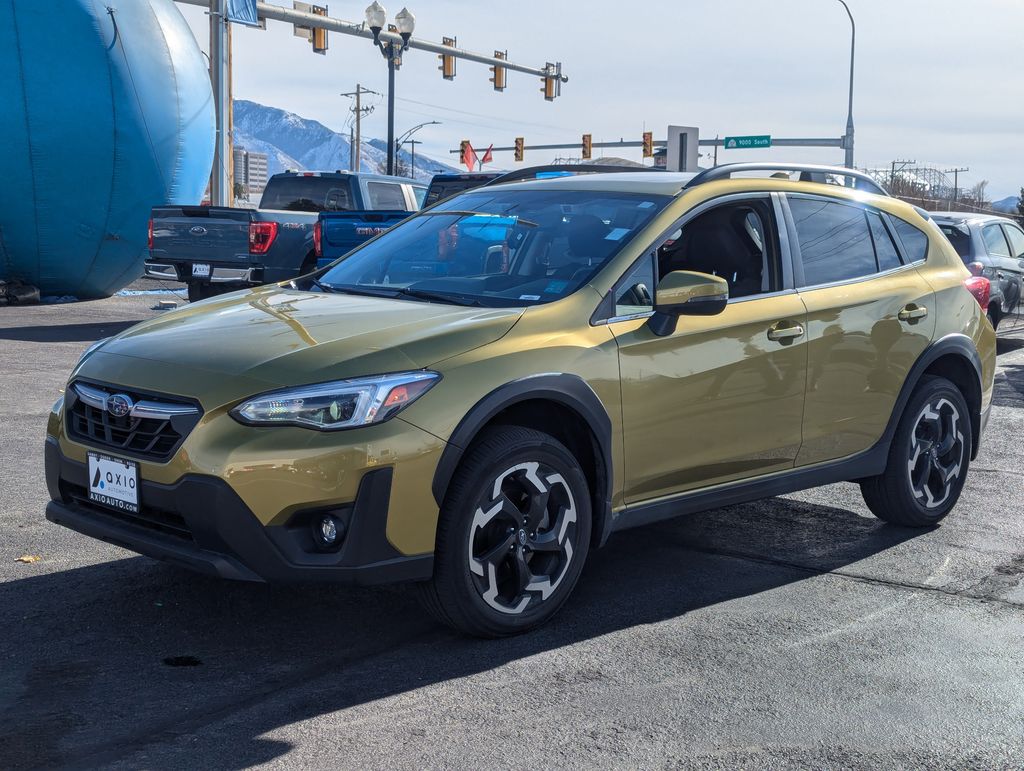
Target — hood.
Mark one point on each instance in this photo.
(285, 337)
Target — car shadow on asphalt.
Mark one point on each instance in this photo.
(131, 655)
(66, 333)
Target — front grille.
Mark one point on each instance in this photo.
(149, 517)
(138, 435)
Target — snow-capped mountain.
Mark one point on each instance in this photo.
(293, 142)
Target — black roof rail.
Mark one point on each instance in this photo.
(808, 173)
(531, 172)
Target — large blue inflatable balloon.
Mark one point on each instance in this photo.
(106, 112)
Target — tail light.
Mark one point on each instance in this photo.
(318, 247)
(149, 235)
(261, 236)
(980, 287)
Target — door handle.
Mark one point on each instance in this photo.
(782, 334)
(912, 312)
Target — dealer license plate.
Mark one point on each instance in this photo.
(114, 482)
(200, 270)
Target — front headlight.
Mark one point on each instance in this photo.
(337, 405)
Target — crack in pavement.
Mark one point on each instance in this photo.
(907, 585)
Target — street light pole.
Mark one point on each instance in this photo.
(405, 22)
(848, 139)
(405, 138)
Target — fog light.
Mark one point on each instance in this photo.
(327, 531)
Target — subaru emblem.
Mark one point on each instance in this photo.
(119, 405)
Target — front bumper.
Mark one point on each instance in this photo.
(199, 522)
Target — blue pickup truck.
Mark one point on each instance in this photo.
(217, 249)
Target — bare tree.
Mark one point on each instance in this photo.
(978, 193)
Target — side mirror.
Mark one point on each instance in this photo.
(685, 293)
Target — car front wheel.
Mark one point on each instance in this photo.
(928, 459)
(513, 534)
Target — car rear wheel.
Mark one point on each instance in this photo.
(928, 459)
(513, 535)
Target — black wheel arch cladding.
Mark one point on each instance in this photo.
(567, 391)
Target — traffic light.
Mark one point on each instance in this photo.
(552, 81)
(464, 151)
(648, 144)
(319, 36)
(498, 76)
(447, 60)
(587, 145)
(520, 146)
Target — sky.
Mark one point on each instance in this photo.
(936, 81)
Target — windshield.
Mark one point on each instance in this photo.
(313, 194)
(961, 241)
(498, 248)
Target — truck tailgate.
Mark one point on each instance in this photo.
(201, 233)
(343, 231)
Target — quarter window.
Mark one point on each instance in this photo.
(636, 292)
(1016, 240)
(995, 242)
(885, 250)
(835, 243)
(915, 242)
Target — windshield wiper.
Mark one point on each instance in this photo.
(426, 294)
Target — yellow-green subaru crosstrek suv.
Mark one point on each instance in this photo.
(479, 396)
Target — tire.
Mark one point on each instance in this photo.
(928, 460)
(505, 563)
(994, 317)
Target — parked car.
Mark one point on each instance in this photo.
(992, 247)
(478, 397)
(337, 233)
(216, 249)
(446, 185)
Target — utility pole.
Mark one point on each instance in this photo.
(892, 173)
(356, 163)
(956, 180)
(220, 185)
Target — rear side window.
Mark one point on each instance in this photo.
(386, 196)
(995, 242)
(885, 249)
(1016, 240)
(835, 243)
(915, 242)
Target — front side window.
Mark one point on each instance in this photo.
(497, 247)
(1016, 237)
(995, 242)
(735, 241)
(386, 196)
(835, 242)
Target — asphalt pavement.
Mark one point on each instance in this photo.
(792, 632)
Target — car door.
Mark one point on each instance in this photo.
(1015, 273)
(721, 398)
(870, 315)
